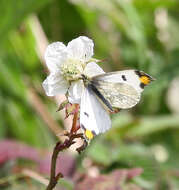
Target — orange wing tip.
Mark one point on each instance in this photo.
(89, 135)
(145, 79)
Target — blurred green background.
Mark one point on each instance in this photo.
(141, 34)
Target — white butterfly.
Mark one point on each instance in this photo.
(107, 92)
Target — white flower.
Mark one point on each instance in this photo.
(66, 64)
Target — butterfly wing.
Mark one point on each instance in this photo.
(137, 79)
(122, 88)
(93, 116)
(119, 95)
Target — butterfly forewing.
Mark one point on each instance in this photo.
(122, 89)
(130, 77)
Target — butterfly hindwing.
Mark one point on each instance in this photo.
(93, 116)
(119, 95)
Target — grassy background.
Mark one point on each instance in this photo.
(127, 34)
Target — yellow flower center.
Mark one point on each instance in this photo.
(72, 69)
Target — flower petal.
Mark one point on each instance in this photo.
(80, 48)
(92, 69)
(55, 54)
(55, 84)
(75, 92)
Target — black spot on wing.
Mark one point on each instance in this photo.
(86, 114)
(138, 73)
(124, 77)
(142, 85)
(141, 73)
(82, 126)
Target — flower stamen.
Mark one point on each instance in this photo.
(72, 69)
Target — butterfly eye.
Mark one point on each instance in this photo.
(124, 78)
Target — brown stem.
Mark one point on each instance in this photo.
(60, 147)
(53, 181)
(75, 119)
